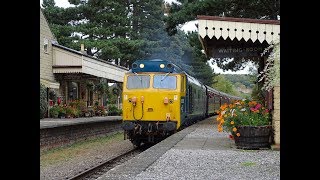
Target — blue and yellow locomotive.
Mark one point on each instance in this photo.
(159, 98)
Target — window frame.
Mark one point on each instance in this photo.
(45, 45)
(135, 76)
(176, 82)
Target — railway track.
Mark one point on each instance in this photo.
(105, 166)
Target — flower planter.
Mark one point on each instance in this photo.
(253, 137)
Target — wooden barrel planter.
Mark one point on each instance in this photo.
(253, 137)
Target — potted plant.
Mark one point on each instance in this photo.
(248, 122)
(62, 111)
(54, 111)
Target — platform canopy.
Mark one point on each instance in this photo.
(236, 37)
(69, 61)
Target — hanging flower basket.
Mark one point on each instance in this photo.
(253, 137)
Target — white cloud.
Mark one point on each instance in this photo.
(65, 3)
(244, 71)
(61, 3)
(189, 26)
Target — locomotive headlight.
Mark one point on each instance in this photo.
(134, 100)
(165, 100)
(141, 65)
(161, 66)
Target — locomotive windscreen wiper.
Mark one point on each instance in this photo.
(165, 76)
(138, 76)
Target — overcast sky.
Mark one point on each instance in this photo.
(189, 26)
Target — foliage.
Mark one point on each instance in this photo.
(242, 113)
(224, 85)
(62, 110)
(271, 72)
(247, 80)
(194, 57)
(102, 26)
(114, 111)
(117, 30)
(100, 111)
(80, 105)
(72, 112)
(102, 88)
(184, 11)
(90, 85)
(53, 95)
(54, 111)
(257, 94)
(43, 101)
(48, 3)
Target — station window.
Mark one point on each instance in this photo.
(73, 90)
(45, 45)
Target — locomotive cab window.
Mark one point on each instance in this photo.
(164, 82)
(138, 82)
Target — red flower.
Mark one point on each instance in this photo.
(231, 137)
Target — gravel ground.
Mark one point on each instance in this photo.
(201, 164)
(90, 158)
(214, 164)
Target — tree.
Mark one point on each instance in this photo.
(185, 11)
(48, 3)
(102, 26)
(117, 30)
(195, 58)
(224, 85)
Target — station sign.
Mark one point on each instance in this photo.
(230, 52)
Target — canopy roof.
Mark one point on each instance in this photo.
(236, 37)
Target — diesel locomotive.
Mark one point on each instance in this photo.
(159, 98)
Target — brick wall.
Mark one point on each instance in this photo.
(276, 114)
(66, 135)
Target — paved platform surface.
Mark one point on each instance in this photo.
(56, 122)
(199, 152)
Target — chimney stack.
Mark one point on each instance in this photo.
(82, 48)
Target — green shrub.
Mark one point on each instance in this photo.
(114, 111)
(43, 101)
(54, 111)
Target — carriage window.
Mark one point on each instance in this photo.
(165, 82)
(138, 82)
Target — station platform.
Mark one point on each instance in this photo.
(57, 122)
(199, 152)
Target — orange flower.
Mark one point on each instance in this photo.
(252, 103)
(223, 107)
(238, 134)
(234, 129)
(232, 122)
